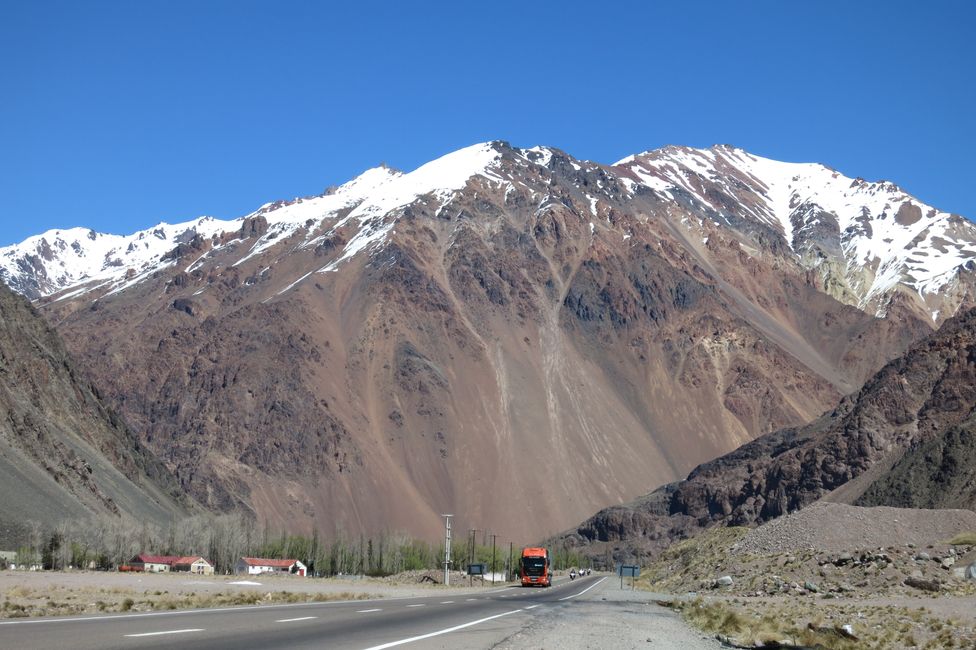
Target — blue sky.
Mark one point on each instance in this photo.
(118, 115)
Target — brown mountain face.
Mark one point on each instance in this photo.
(937, 472)
(64, 455)
(545, 340)
(902, 440)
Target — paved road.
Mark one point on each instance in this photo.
(446, 621)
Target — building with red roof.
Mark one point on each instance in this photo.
(193, 564)
(258, 565)
(152, 563)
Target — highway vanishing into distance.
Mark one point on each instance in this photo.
(469, 620)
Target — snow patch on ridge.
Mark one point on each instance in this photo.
(75, 256)
(66, 258)
(886, 237)
(440, 178)
(781, 194)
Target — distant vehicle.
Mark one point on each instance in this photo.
(572, 574)
(535, 569)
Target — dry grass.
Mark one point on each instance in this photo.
(59, 601)
(964, 539)
(691, 561)
(744, 628)
(755, 624)
(767, 603)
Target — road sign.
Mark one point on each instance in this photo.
(476, 569)
(628, 570)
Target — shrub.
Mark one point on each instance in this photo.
(964, 539)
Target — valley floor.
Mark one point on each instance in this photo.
(603, 616)
(72, 593)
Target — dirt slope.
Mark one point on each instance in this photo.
(63, 453)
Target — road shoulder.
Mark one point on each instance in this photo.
(609, 617)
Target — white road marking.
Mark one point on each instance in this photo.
(446, 602)
(531, 607)
(292, 620)
(366, 611)
(585, 590)
(448, 630)
(416, 605)
(196, 629)
(470, 599)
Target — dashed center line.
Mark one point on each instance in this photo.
(416, 605)
(532, 606)
(366, 611)
(470, 599)
(292, 620)
(196, 629)
(446, 602)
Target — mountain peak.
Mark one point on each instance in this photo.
(875, 236)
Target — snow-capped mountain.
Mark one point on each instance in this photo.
(65, 259)
(82, 258)
(410, 344)
(866, 238)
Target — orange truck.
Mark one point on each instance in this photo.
(535, 569)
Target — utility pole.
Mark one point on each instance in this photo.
(474, 544)
(493, 559)
(470, 546)
(511, 562)
(447, 549)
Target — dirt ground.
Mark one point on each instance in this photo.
(65, 593)
(896, 577)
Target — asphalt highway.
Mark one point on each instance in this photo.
(470, 620)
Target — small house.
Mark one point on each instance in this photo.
(193, 564)
(152, 563)
(257, 565)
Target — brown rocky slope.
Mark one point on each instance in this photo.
(63, 453)
(916, 404)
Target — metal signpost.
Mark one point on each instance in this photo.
(631, 570)
(493, 559)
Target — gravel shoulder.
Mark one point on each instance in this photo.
(610, 617)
